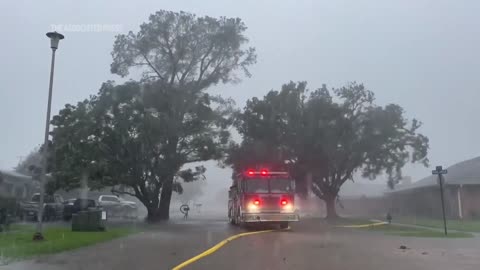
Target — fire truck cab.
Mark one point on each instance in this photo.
(262, 196)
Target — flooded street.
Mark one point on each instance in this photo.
(309, 245)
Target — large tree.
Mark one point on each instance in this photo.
(149, 130)
(328, 136)
(184, 51)
(114, 139)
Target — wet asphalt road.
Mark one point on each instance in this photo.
(309, 245)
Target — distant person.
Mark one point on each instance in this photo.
(184, 209)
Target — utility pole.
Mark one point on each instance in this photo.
(54, 40)
(439, 171)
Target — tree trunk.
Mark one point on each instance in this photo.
(158, 211)
(153, 213)
(165, 198)
(330, 202)
(301, 184)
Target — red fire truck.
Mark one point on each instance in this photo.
(262, 196)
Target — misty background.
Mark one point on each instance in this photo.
(422, 55)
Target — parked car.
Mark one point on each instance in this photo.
(73, 206)
(52, 207)
(116, 206)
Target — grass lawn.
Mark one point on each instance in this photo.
(416, 232)
(458, 225)
(348, 221)
(18, 242)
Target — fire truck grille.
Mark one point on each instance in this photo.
(270, 204)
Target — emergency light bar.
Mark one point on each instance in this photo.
(263, 172)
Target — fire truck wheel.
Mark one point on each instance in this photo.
(238, 222)
(231, 219)
(283, 225)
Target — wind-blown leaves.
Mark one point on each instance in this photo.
(141, 134)
(183, 50)
(327, 135)
(113, 139)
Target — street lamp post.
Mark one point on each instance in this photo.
(54, 40)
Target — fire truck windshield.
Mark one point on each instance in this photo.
(280, 185)
(272, 185)
(256, 186)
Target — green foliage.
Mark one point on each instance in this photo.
(183, 50)
(31, 163)
(407, 231)
(327, 135)
(18, 243)
(141, 134)
(115, 139)
(269, 128)
(465, 225)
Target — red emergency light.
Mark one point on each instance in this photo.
(263, 172)
(283, 202)
(256, 202)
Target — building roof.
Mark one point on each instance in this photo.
(463, 173)
(9, 174)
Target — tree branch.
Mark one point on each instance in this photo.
(318, 192)
(202, 72)
(202, 62)
(172, 59)
(152, 67)
(197, 159)
(187, 70)
(215, 70)
(140, 64)
(186, 152)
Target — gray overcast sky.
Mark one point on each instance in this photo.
(423, 55)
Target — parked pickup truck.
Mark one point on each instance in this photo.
(116, 206)
(52, 207)
(74, 206)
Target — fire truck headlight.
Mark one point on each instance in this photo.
(288, 207)
(252, 207)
